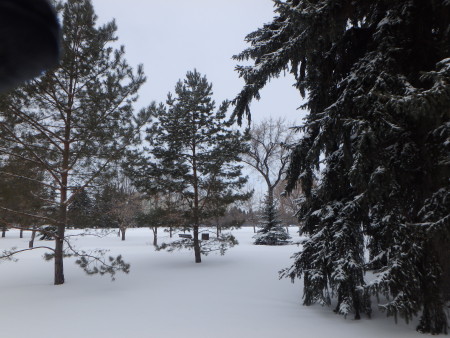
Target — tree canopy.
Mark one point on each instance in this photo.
(376, 78)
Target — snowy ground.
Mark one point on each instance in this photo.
(168, 295)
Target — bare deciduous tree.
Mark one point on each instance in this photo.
(268, 152)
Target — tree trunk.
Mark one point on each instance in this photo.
(33, 235)
(198, 256)
(217, 230)
(3, 232)
(170, 232)
(123, 233)
(59, 238)
(59, 263)
(21, 233)
(155, 236)
(118, 233)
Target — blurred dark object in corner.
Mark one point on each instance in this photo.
(29, 40)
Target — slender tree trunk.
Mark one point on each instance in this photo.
(33, 235)
(170, 232)
(4, 231)
(118, 233)
(21, 233)
(155, 236)
(198, 257)
(197, 252)
(59, 262)
(123, 233)
(59, 238)
(61, 227)
(217, 230)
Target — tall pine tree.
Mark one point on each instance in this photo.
(376, 74)
(196, 154)
(75, 120)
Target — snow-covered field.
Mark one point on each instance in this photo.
(168, 295)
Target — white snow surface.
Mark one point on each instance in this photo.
(168, 295)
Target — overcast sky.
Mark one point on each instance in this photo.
(170, 37)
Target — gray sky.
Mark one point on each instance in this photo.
(170, 37)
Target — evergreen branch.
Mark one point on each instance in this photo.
(36, 156)
(7, 254)
(26, 178)
(51, 220)
(38, 127)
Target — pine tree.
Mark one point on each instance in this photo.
(196, 154)
(377, 78)
(75, 120)
(271, 231)
(81, 210)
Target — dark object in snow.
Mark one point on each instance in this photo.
(185, 236)
(47, 233)
(29, 40)
(205, 237)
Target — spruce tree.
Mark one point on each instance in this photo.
(80, 213)
(376, 74)
(271, 231)
(75, 120)
(195, 153)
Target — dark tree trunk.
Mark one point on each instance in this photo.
(218, 231)
(33, 235)
(59, 238)
(170, 232)
(123, 233)
(198, 256)
(21, 233)
(4, 232)
(155, 236)
(59, 263)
